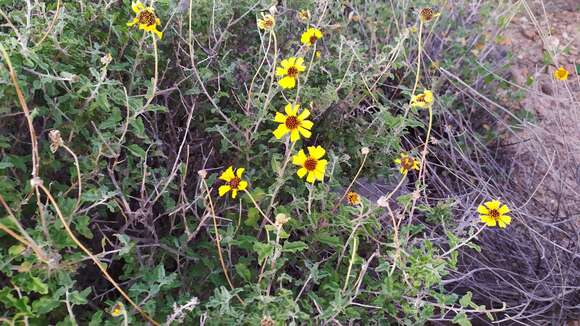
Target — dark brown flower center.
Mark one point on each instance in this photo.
(421, 98)
(494, 213)
(292, 122)
(292, 71)
(352, 198)
(426, 14)
(268, 23)
(147, 18)
(407, 163)
(310, 164)
(234, 183)
(313, 39)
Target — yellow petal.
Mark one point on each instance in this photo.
(397, 161)
(316, 152)
(506, 219)
(243, 185)
(280, 131)
(494, 204)
(482, 210)
(300, 64)
(305, 38)
(287, 82)
(319, 175)
(224, 189)
(133, 22)
(305, 132)
(137, 7)
(234, 193)
(299, 158)
(228, 174)
(280, 118)
(501, 224)
(285, 64)
(240, 172)
(317, 33)
(291, 61)
(504, 209)
(306, 124)
(311, 177)
(304, 115)
(291, 110)
(301, 172)
(294, 135)
(281, 71)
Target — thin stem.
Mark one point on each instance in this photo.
(351, 183)
(351, 262)
(91, 255)
(217, 239)
(78, 176)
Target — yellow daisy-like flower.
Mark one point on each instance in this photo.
(561, 73)
(407, 163)
(423, 100)
(267, 22)
(427, 14)
(312, 165)
(233, 181)
(493, 212)
(117, 309)
(289, 71)
(310, 37)
(293, 123)
(146, 19)
(353, 198)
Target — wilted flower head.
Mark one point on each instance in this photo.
(146, 18)
(353, 198)
(117, 309)
(267, 22)
(267, 321)
(407, 163)
(281, 219)
(423, 100)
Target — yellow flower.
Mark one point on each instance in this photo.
(407, 163)
(561, 73)
(293, 123)
(353, 198)
(267, 22)
(117, 309)
(304, 15)
(311, 164)
(290, 70)
(493, 212)
(146, 18)
(423, 100)
(427, 14)
(233, 181)
(310, 37)
(318, 54)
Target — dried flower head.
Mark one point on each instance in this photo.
(310, 37)
(145, 18)
(281, 219)
(267, 321)
(118, 309)
(383, 201)
(353, 198)
(289, 71)
(106, 59)
(561, 73)
(312, 165)
(365, 150)
(293, 123)
(427, 14)
(267, 22)
(202, 173)
(55, 140)
(234, 182)
(493, 212)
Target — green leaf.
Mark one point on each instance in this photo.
(263, 250)
(465, 301)
(461, 319)
(244, 271)
(82, 226)
(253, 217)
(137, 151)
(294, 246)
